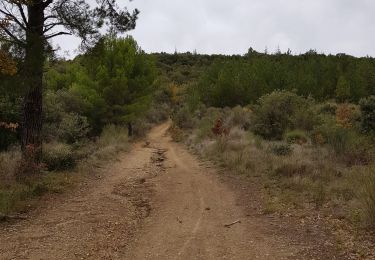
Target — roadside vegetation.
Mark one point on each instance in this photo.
(94, 107)
(302, 126)
(313, 154)
(308, 162)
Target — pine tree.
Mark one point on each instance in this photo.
(30, 24)
(342, 89)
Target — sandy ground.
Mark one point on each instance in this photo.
(156, 202)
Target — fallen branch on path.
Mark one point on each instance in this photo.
(4, 218)
(233, 223)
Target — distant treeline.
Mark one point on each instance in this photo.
(220, 80)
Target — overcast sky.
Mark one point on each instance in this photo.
(232, 26)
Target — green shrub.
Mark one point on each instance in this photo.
(9, 113)
(61, 123)
(281, 149)
(296, 137)
(58, 156)
(339, 139)
(305, 117)
(280, 110)
(183, 118)
(328, 108)
(367, 106)
(353, 148)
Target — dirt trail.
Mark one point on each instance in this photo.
(157, 202)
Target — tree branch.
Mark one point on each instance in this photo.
(14, 18)
(50, 26)
(50, 17)
(56, 34)
(11, 35)
(22, 13)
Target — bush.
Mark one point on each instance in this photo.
(61, 122)
(328, 108)
(113, 135)
(346, 143)
(296, 137)
(7, 138)
(9, 112)
(8, 165)
(241, 117)
(280, 110)
(58, 156)
(183, 118)
(367, 106)
(140, 128)
(176, 133)
(281, 149)
(339, 139)
(112, 140)
(158, 113)
(347, 115)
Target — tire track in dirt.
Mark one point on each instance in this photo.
(156, 202)
(191, 207)
(95, 221)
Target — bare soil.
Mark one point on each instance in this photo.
(160, 202)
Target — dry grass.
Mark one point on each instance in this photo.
(311, 176)
(18, 196)
(8, 164)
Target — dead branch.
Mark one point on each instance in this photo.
(231, 224)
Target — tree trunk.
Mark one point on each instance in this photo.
(31, 139)
(130, 129)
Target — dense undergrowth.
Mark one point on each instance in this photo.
(310, 156)
(93, 107)
(63, 166)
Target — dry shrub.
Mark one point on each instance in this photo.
(176, 133)
(9, 162)
(112, 140)
(347, 115)
(58, 156)
(281, 149)
(296, 137)
(293, 169)
(241, 117)
(183, 118)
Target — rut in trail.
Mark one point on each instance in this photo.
(157, 202)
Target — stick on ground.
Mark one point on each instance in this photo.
(233, 223)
